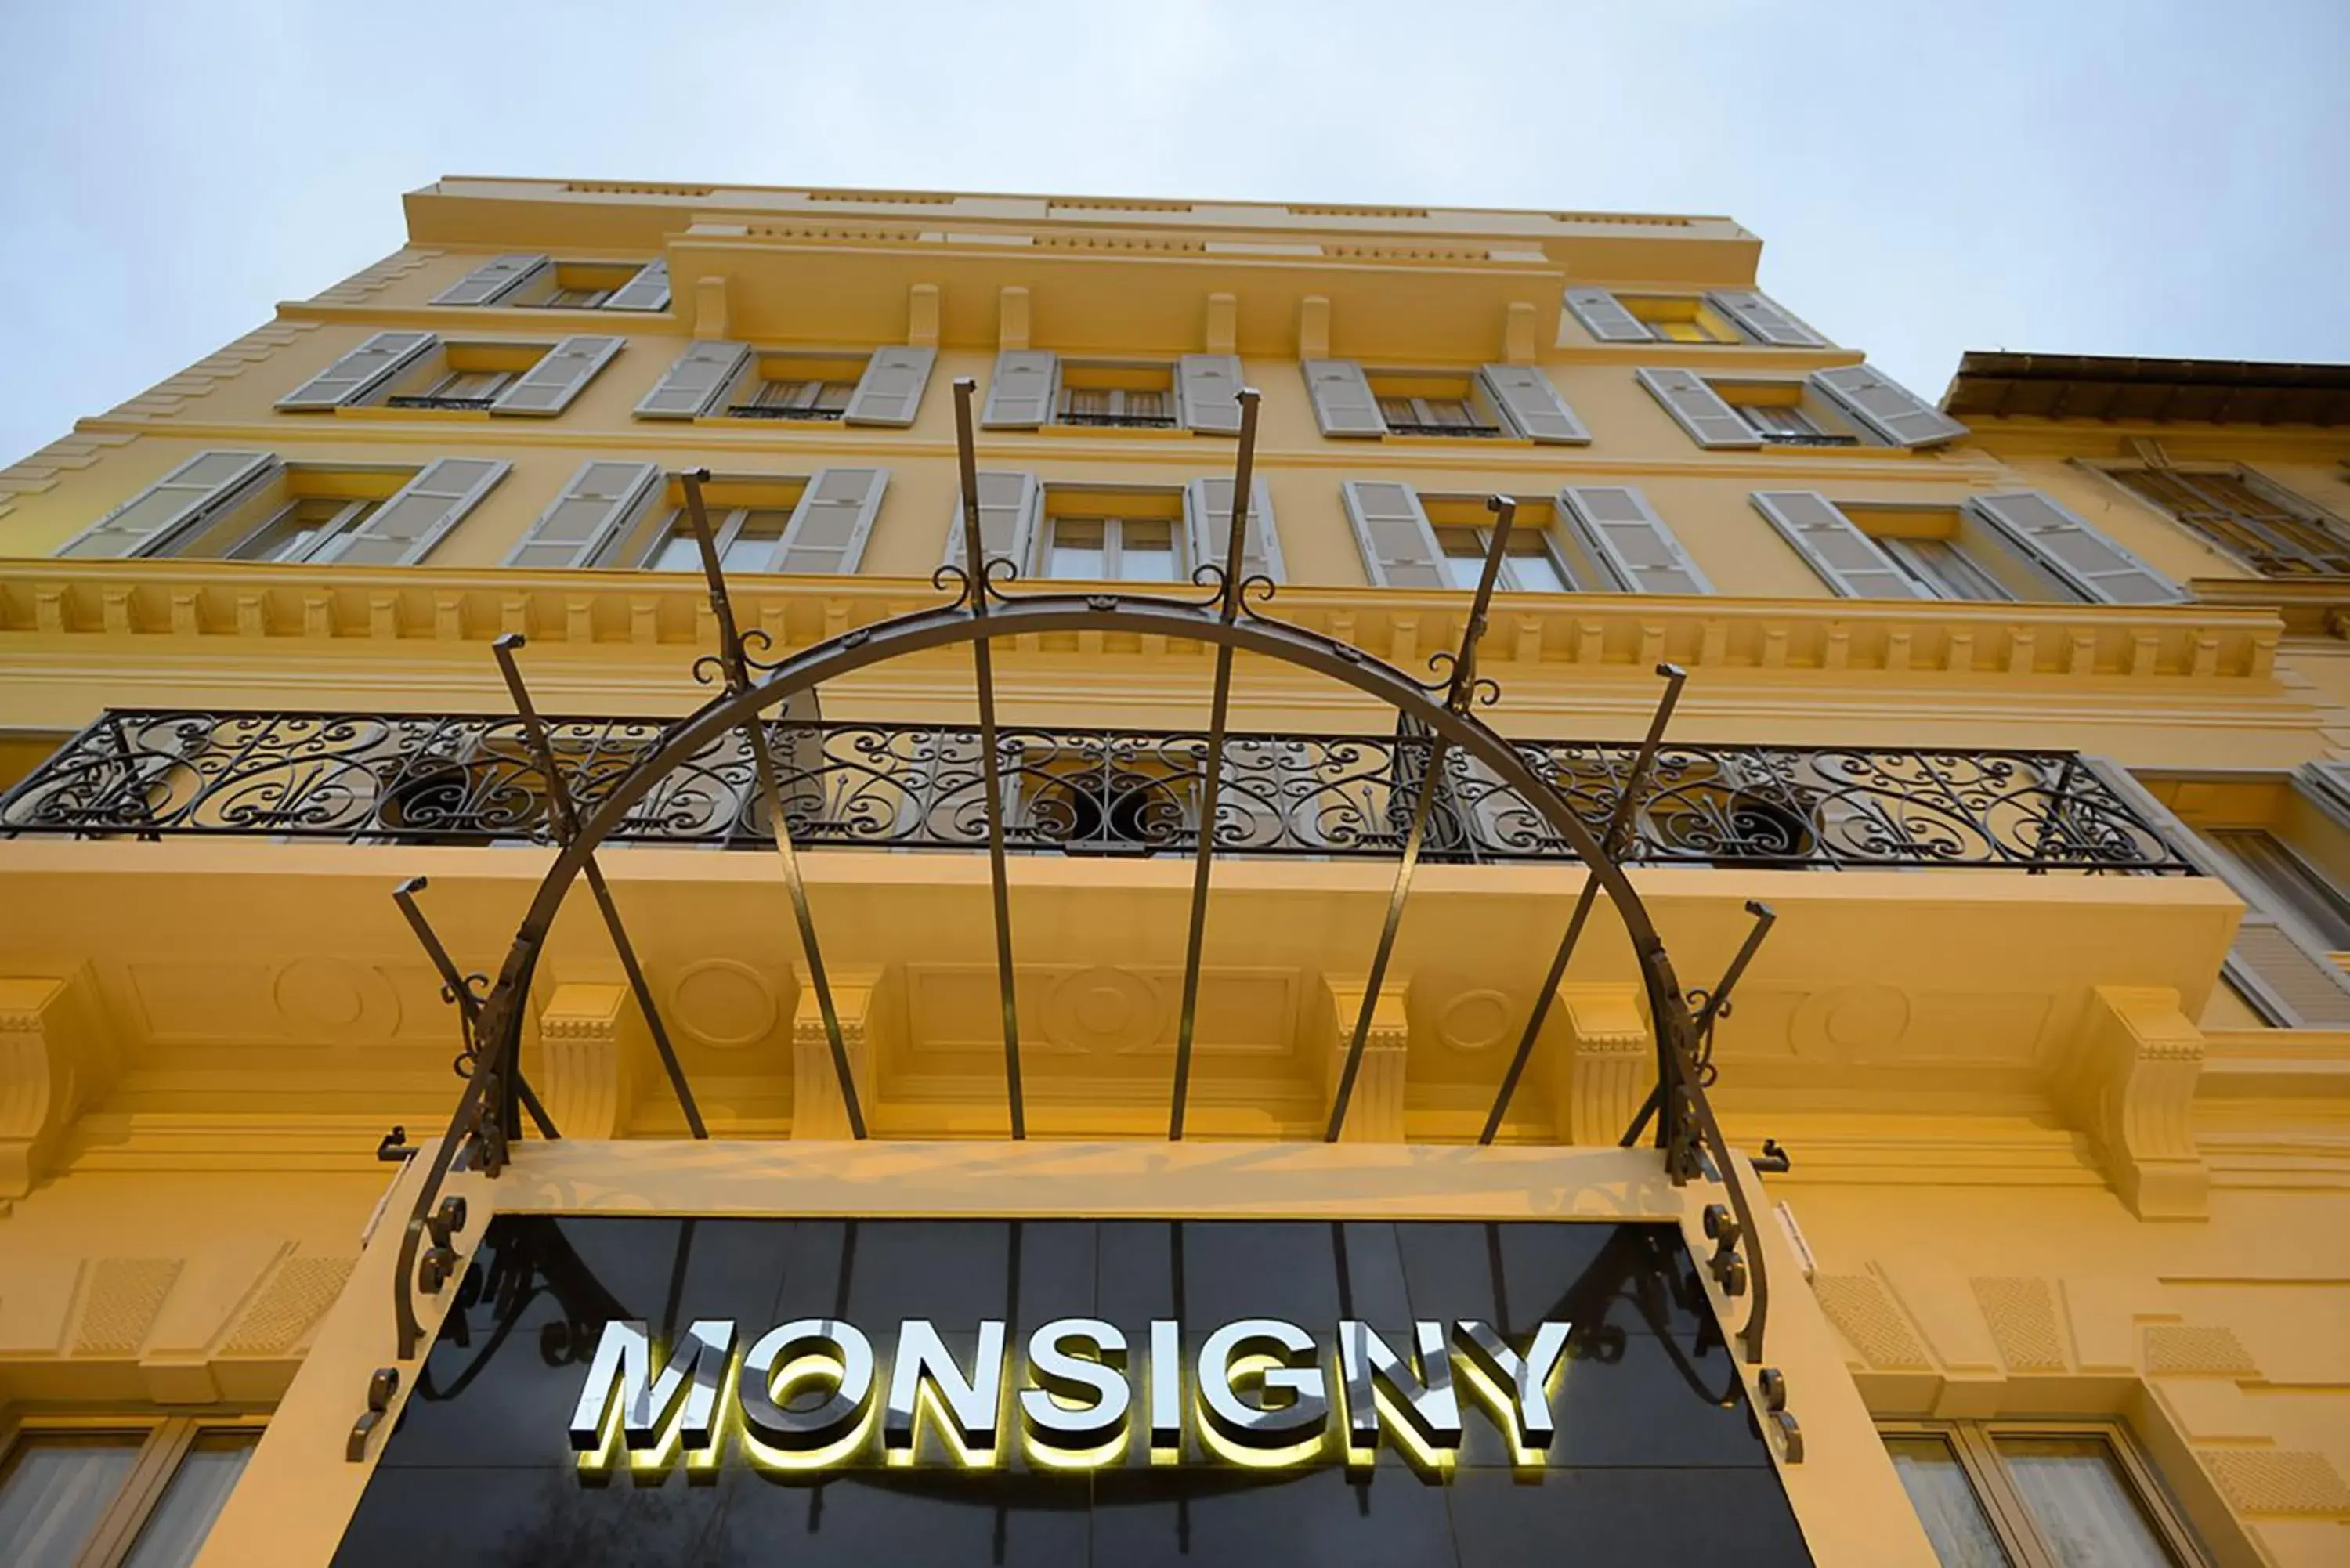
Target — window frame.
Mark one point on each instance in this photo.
(1831, 430)
(1974, 1444)
(1507, 580)
(1113, 528)
(165, 1441)
(1170, 417)
(351, 512)
(2285, 499)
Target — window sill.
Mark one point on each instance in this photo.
(370, 412)
(1096, 433)
(1457, 443)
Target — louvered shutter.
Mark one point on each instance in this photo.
(403, 530)
(168, 510)
(2075, 550)
(491, 281)
(1344, 403)
(600, 498)
(648, 290)
(359, 372)
(835, 517)
(1847, 559)
(1532, 405)
(889, 392)
(1208, 525)
(547, 388)
(2294, 985)
(1764, 319)
(1207, 386)
(1624, 534)
(1605, 318)
(1886, 406)
(1008, 505)
(1698, 408)
(1020, 393)
(695, 382)
(1399, 549)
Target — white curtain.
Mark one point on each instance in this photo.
(54, 1491)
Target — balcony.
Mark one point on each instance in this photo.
(381, 778)
(780, 411)
(1115, 422)
(1473, 432)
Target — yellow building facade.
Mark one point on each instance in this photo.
(1913, 1093)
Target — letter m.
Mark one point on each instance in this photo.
(623, 1370)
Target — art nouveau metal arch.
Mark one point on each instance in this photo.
(497, 1098)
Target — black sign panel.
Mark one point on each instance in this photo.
(1638, 1447)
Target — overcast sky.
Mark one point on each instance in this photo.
(2087, 176)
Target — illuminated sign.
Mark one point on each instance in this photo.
(981, 1392)
(1258, 1391)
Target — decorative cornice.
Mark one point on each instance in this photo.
(135, 600)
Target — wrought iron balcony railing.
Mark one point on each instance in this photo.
(780, 411)
(422, 779)
(463, 405)
(1408, 428)
(1125, 422)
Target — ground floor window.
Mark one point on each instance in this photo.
(2018, 1495)
(138, 1492)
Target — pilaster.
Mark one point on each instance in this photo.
(818, 1110)
(1374, 1110)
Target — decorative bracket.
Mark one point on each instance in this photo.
(2130, 1085)
(51, 1065)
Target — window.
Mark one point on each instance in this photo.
(1536, 562)
(1941, 565)
(2290, 880)
(466, 376)
(1129, 396)
(1423, 404)
(2282, 843)
(795, 387)
(1112, 533)
(1781, 413)
(748, 539)
(2038, 1495)
(288, 513)
(1680, 318)
(544, 283)
(573, 286)
(2270, 529)
(136, 1494)
(1994, 549)
(1115, 549)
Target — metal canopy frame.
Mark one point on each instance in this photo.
(982, 609)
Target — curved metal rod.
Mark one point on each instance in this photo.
(1046, 613)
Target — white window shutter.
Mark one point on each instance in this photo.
(1009, 505)
(1698, 409)
(1624, 534)
(168, 510)
(547, 388)
(1886, 406)
(1208, 388)
(600, 498)
(2075, 551)
(1532, 405)
(1847, 559)
(828, 528)
(889, 392)
(403, 530)
(1020, 393)
(696, 382)
(359, 372)
(1344, 402)
(1764, 319)
(1392, 529)
(648, 290)
(1208, 527)
(1606, 317)
(491, 281)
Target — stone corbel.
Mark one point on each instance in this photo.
(923, 315)
(709, 312)
(819, 1111)
(1224, 330)
(1605, 1063)
(53, 1067)
(1375, 1112)
(1314, 327)
(2130, 1085)
(592, 1046)
(1012, 317)
(1518, 333)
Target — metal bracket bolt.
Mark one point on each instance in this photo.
(382, 1387)
(1729, 1270)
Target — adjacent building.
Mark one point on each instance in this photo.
(1929, 1143)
